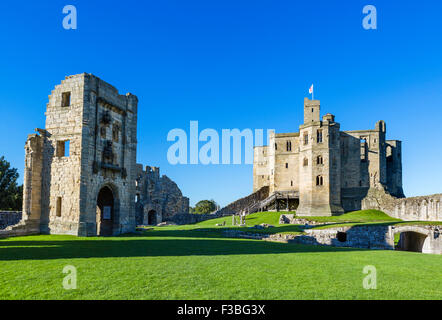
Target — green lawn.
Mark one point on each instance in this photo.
(361, 217)
(197, 262)
(356, 216)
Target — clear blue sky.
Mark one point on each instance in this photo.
(233, 64)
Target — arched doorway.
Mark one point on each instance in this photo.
(152, 218)
(411, 241)
(105, 212)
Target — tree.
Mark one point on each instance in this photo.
(11, 194)
(204, 207)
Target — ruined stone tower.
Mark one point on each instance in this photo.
(80, 170)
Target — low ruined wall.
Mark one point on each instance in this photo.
(423, 208)
(373, 237)
(367, 237)
(292, 219)
(243, 203)
(189, 218)
(9, 218)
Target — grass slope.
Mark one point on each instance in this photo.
(188, 264)
(197, 262)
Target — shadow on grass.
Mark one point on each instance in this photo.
(154, 245)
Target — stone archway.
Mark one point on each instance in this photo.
(412, 238)
(105, 214)
(411, 241)
(152, 218)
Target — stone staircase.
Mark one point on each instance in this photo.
(260, 201)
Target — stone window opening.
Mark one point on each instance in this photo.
(319, 136)
(62, 148)
(305, 162)
(65, 99)
(289, 146)
(341, 236)
(291, 183)
(103, 132)
(106, 118)
(116, 132)
(58, 207)
(319, 181)
(319, 160)
(286, 165)
(305, 138)
(276, 146)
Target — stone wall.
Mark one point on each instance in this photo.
(182, 219)
(244, 203)
(423, 208)
(368, 237)
(292, 219)
(9, 218)
(373, 237)
(158, 197)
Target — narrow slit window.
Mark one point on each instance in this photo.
(58, 207)
(319, 136)
(289, 146)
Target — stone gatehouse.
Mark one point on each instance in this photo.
(325, 170)
(80, 171)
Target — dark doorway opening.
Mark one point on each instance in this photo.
(105, 212)
(411, 241)
(342, 236)
(152, 218)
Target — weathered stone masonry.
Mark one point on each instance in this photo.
(423, 208)
(330, 171)
(418, 238)
(8, 218)
(80, 170)
(158, 197)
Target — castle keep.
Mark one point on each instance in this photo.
(326, 171)
(80, 171)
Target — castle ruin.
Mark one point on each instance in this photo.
(325, 171)
(158, 198)
(81, 171)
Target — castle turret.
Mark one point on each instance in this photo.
(312, 110)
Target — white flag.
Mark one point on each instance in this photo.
(311, 89)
